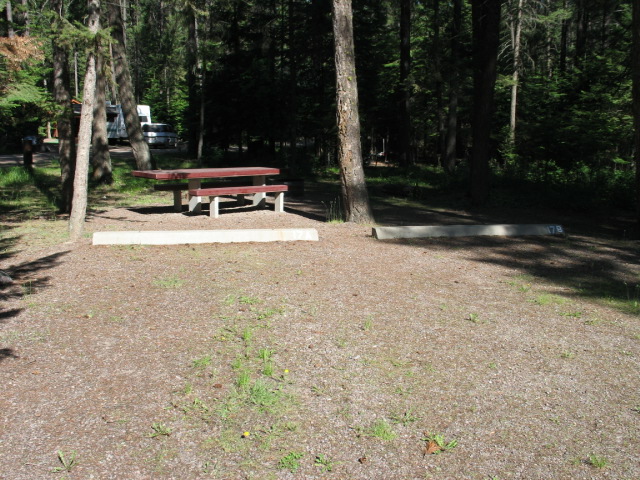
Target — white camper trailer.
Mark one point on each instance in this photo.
(116, 128)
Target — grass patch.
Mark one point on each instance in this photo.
(291, 461)
(172, 281)
(381, 430)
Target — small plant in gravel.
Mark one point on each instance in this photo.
(169, 282)
(248, 300)
(264, 395)
(159, 430)
(243, 380)
(597, 461)
(202, 362)
(568, 354)
(474, 317)
(291, 461)
(68, 462)
(571, 314)
(382, 430)
(324, 462)
(436, 443)
(548, 299)
(404, 418)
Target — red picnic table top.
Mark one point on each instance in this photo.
(186, 173)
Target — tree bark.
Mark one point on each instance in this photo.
(192, 80)
(62, 96)
(485, 15)
(10, 31)
(516, 41)
(79, 205)
(354, 188)
(406, 158)
(139, 147)
(635, 72)
(101, 160)
(452, 117)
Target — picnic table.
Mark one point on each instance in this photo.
(198, 191)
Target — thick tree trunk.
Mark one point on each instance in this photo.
(486, 28)
(635, 72)
(101, 160)
(10, 31)
(24, 19)
(516, 41)
(406, 158)
(139, 147)
(192, 83)
(79, 205)
(62, 96)
(354, 188)
(452, 117)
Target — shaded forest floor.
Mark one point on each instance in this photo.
(345, 358)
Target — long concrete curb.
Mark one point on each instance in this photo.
(387, 233)
(180, 237)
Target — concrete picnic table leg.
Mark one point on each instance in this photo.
(259, 199)
(195, 202)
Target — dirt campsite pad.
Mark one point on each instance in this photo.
(346, 358)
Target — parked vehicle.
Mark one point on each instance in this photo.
(160, 135)
(116, 128)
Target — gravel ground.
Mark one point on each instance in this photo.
(346, 358)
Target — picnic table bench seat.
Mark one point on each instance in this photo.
(178, 188)
(214, 194)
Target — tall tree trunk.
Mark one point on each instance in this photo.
(293, 89)
(406, 157)
(79, 205)
(192, 83)
(516, 32)
(635, 72)
(454, 86)
(62, 96)
(485, 15)
(439, 83)
(564, 39)
(24, 19)
(354, 188)
(10, 31)
(101, 160)
(139, 147)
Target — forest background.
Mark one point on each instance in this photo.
(245, 80)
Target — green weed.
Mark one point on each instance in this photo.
(268, 368)
(264, 395)
(382, 430)
(248, 300)
(436, 443)
(168, 282)
(243, 380)
(265, 354)
(202, 362)
(323, 462)
(596, 461)
(571, 314)
(548, 299)
(404, 418)
(67, 462)
(159, 429)
(474, 317)
(291, 461)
